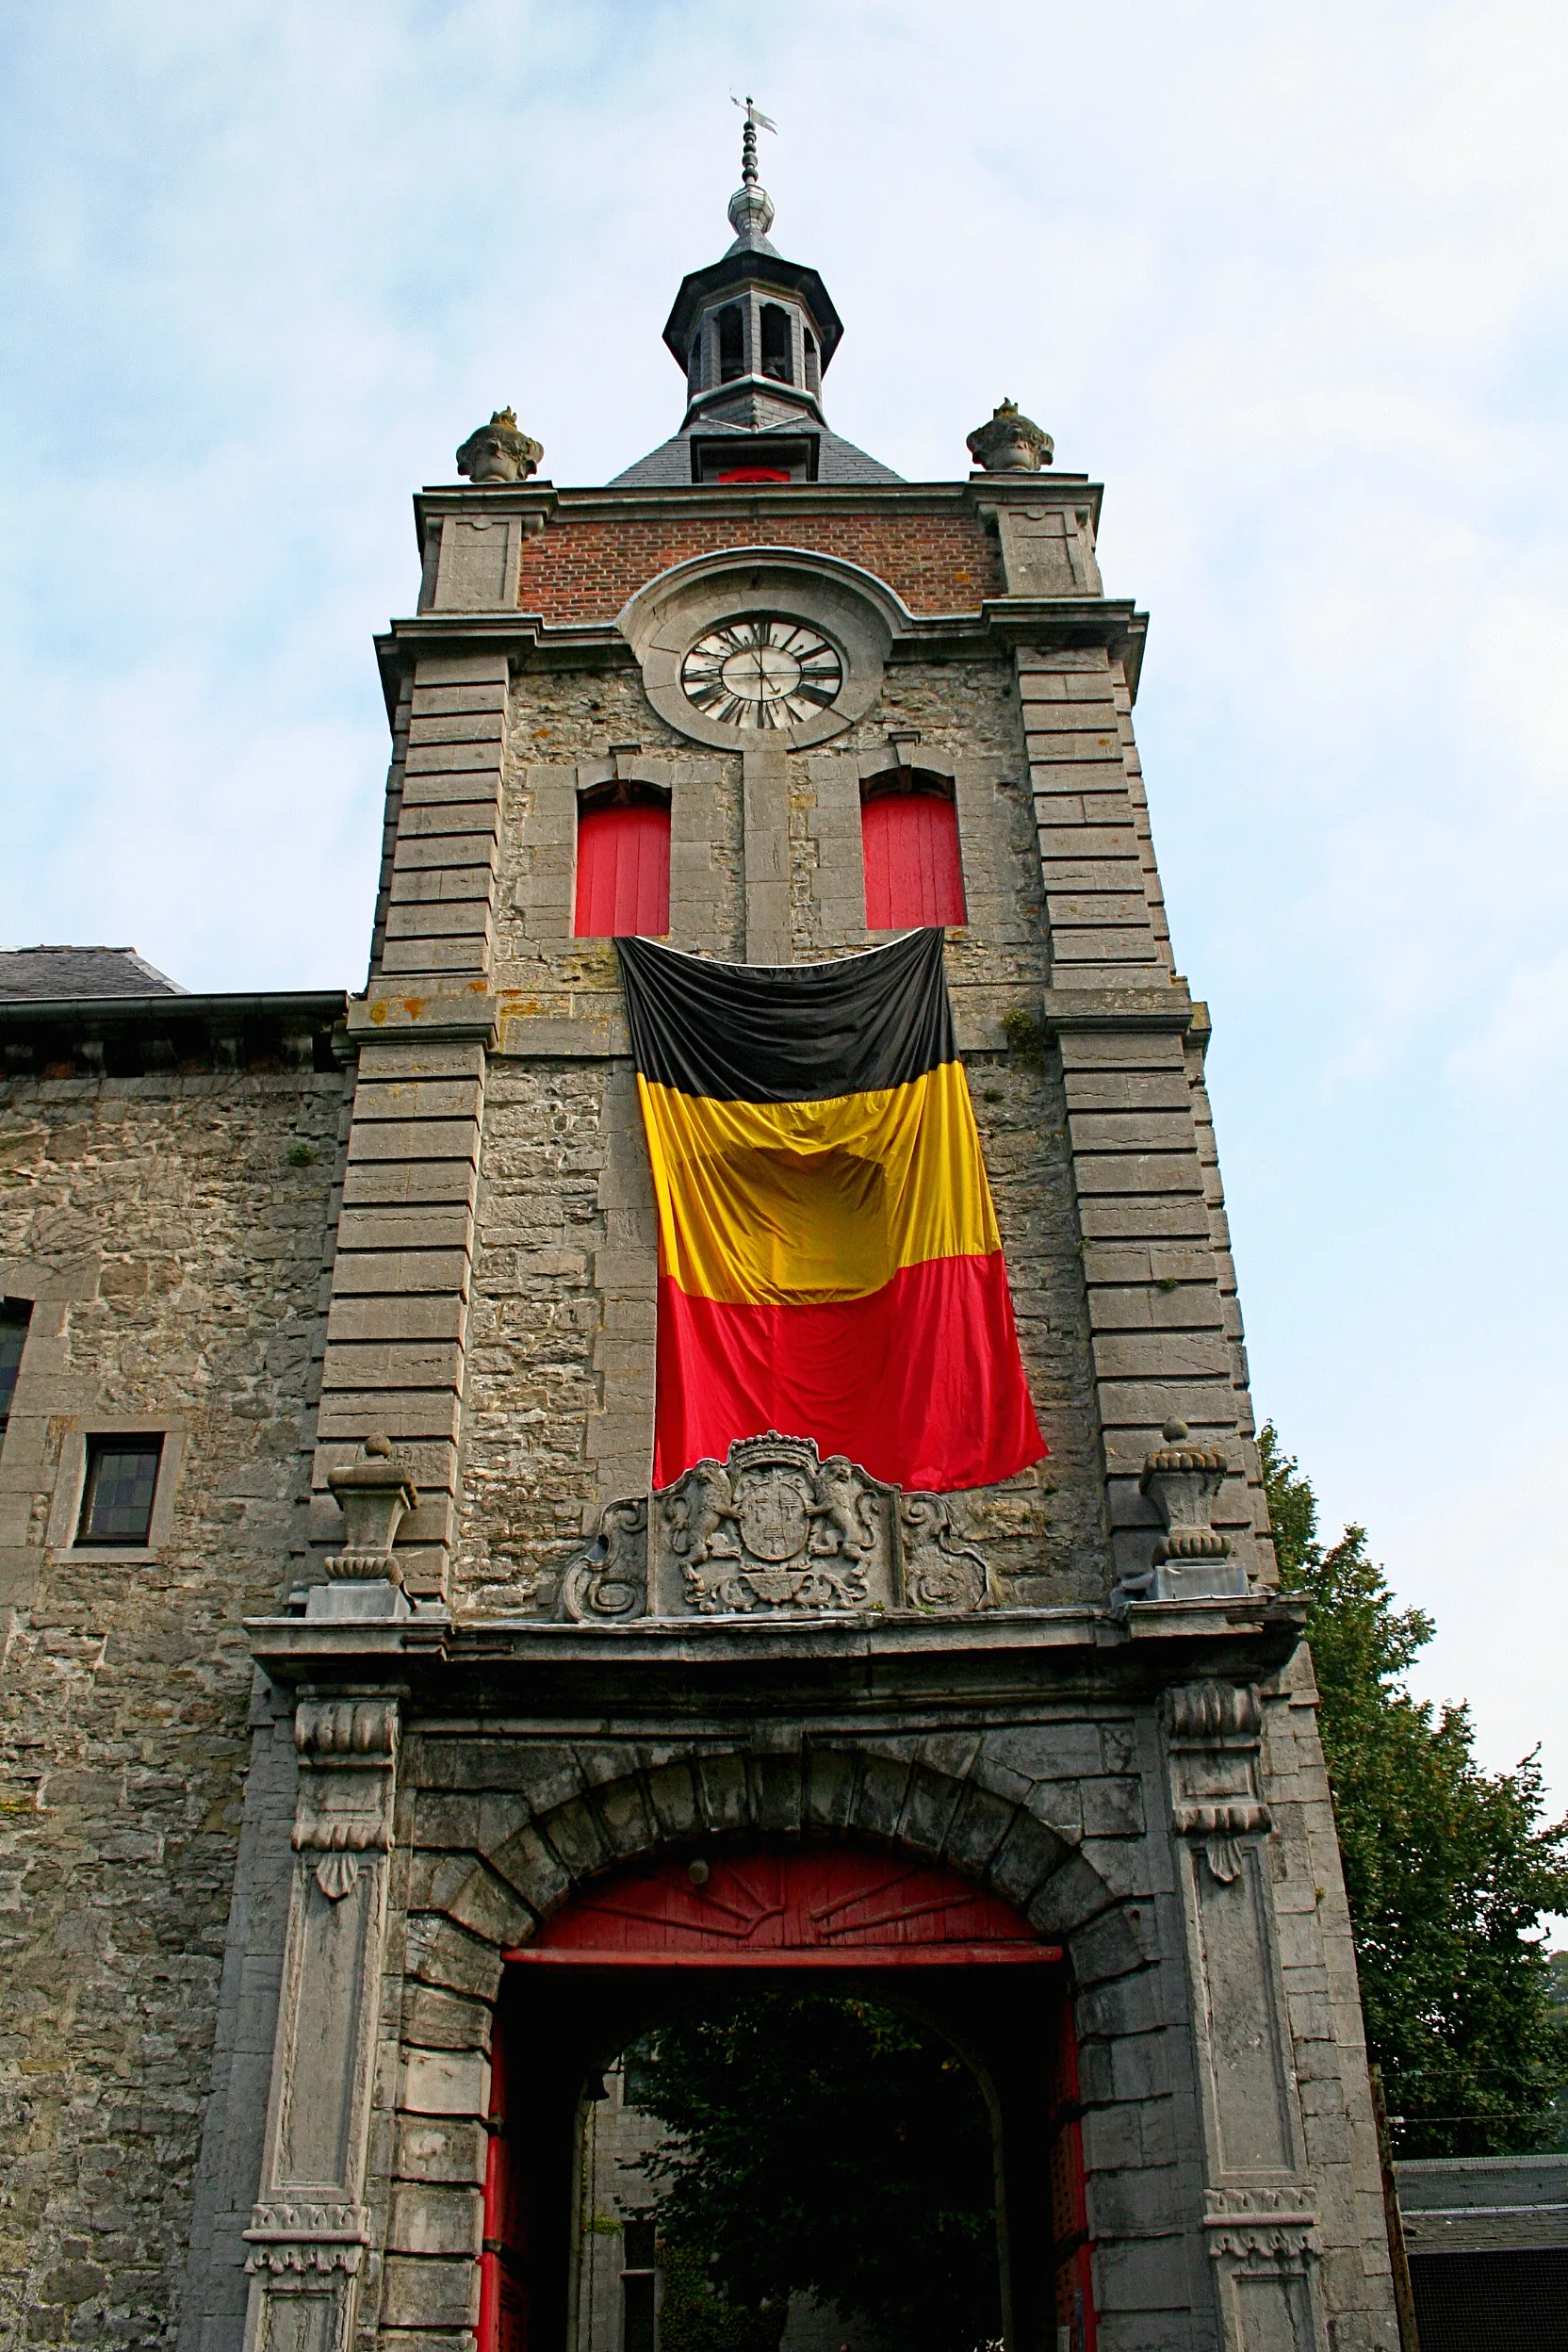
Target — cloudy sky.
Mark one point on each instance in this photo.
(1289, 281)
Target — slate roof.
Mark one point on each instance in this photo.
(669, 467)
(1483, 2204)
(37, 974)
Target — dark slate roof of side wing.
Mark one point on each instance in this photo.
(42, 973)
(669, 467)
(1483, 2204)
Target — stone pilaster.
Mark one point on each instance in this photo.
(766, 792)
(310, 2228)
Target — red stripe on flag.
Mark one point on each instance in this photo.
(921, 1383)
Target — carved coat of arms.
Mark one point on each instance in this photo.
(774, 1528)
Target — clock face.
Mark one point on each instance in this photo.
(762, 671)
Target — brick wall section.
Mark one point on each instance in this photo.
(585, 571)
(175, 1249)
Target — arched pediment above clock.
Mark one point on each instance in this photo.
(753, 645)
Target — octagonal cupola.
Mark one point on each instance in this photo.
(754, 333)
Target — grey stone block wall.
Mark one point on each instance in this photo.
(170, 1229)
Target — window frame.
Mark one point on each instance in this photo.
(124, 1445)
(15, 1314)
(65, 1515)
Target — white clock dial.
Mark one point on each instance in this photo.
(762, 671)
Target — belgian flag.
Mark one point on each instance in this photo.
(829, 1264)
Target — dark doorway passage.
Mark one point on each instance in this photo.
(802, 2149)
(802, 1970)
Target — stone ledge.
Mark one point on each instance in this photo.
(392, 1009)
(1006, 1652)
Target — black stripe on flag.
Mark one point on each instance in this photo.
(788, 1033)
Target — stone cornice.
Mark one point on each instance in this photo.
(541, 502)
(529, 642)
(885, 1662)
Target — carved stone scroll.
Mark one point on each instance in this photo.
(1260, 2220)
(1214, 1733)
(939, 1572)
(774, 1529)
(309, 2227)
(609, 1581)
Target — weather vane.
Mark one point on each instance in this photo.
(755, 120)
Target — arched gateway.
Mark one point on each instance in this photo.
(632, 1945)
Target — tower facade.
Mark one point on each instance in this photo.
(1048, 1742)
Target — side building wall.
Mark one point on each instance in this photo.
(169, 1231)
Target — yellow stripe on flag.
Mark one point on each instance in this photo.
(775, 1202)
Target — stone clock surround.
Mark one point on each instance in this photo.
(852, 609)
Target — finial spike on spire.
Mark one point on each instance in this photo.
(751, 208)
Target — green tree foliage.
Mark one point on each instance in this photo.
(822, 2144)
(1449, 1867)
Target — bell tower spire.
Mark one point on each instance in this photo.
(755, 334)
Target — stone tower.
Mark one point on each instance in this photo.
(490, 1684)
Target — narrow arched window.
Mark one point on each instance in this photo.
(623, 863)
(732, 349)
(813, 370)
(909, 840)
(775, 343)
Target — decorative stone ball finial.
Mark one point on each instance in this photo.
(499, 452)
(1010, 444)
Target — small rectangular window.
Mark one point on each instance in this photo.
(117, 1496)
(732, 358)
(638, 2330)
(639, 2242)
(15, 1314)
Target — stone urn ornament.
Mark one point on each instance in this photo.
(1182, 1478)
(499, 452)
(1011, 443)
(1192, 1559)
(375, 1495)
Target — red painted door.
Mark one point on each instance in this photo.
(777, 1906)
(833, 1904)
(503, 2262)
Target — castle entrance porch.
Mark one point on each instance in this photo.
(796, 1939)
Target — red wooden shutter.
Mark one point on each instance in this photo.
(914, 876)
(622, 872)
